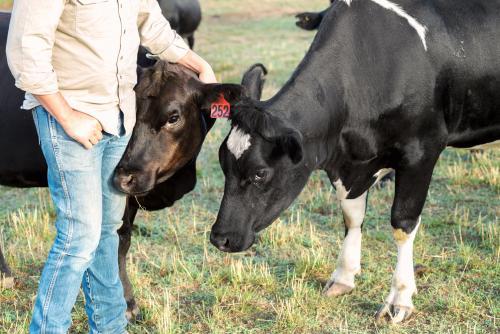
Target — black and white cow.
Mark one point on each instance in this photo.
(367, 98)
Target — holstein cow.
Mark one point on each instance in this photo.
(393, 94)
(311, 20)
(22, 164)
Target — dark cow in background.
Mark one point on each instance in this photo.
(23, 166)
(392, 94)
(184, 17)
(311, 20)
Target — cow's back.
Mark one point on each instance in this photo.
(22, 163)
(464, 42)
(393, 76)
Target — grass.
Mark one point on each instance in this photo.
(184, 285)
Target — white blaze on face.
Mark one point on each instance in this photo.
(394, 7)
(238, 142)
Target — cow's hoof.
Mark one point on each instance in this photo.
(333, 289)
(393, 313)
(6, 282)
(133, 313)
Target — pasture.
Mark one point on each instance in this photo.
(184, 285)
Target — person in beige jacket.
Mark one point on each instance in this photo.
(76, 60)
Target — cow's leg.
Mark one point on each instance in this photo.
(412, 185)
(349, 260)
(6, 279)
(125, 233)
(191, 41)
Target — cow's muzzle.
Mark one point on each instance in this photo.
(132, 183)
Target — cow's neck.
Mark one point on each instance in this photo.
(311, 103)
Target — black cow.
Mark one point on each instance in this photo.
(183, 15)
(423, 75)
(173, 110)
(23, 166)
(311, 20)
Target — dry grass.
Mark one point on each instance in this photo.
(186, 286)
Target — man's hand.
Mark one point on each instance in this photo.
(83, 128)
(207, 75)
(194, 62)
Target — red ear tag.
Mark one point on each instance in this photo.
(220, 108)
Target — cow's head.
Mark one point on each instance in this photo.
(262, 160)
(173, 117)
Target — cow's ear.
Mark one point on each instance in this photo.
(290, 143)
(211, 93)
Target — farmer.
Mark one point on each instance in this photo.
(76, 60)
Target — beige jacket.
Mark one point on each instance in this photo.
(87, 50)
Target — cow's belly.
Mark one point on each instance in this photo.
(493, 145)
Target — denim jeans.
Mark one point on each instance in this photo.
(85, 250)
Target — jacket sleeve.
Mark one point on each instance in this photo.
(156, 34)
(29, 44)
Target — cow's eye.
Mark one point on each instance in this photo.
(260, 176)
(173, 119)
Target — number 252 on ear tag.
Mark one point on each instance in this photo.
(220, 108)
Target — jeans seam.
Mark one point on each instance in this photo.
(55, 149)
(93, 301)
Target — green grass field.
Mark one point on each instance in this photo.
(184, 285)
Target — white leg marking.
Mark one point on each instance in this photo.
(403, 283)
(340, 189)
(238, 142)
(394, 7)
(349, 260)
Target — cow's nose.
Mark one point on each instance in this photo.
(125, 181)
(220, 241)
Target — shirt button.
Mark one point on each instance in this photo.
(124, 31)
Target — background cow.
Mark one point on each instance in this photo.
(366, 99)
(184, 17)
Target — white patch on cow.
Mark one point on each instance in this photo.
(349, 260)
(394, 7)
(238, 142)
(403, 282)
(341, 191)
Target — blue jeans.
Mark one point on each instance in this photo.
(85, 251)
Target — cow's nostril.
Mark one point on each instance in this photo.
(128, 180)
(221, 242)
